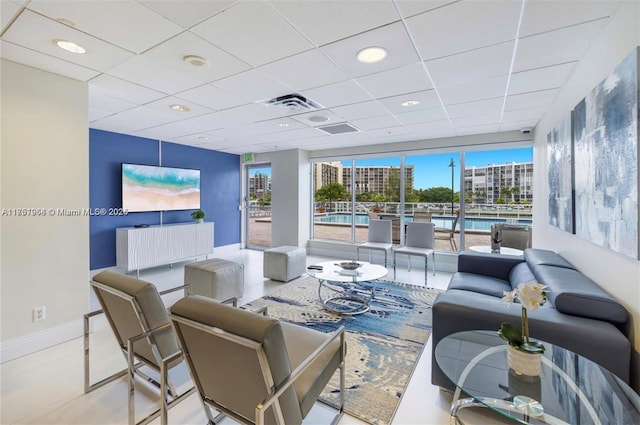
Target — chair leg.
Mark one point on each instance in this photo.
(433, 263)
(394, 265)
(426, 272)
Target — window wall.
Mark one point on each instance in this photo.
(496, 188)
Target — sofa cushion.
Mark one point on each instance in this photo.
(479, 284)
(573, 293)
(543, 257)
(521, 274)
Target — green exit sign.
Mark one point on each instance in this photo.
(248, 157)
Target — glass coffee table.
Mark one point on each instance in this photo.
(570, 389)
(347, 292)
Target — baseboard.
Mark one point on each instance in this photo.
(18, 347)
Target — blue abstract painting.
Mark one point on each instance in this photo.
(560, 160)
(606, 161)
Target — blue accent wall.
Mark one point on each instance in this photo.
(219, 188)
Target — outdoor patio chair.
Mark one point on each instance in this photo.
(253, 368)
(444, 233)
(419, 242)
(514, 235)
(422, 216)
(378, 239)
(142, 329)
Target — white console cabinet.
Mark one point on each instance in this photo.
(142, 247)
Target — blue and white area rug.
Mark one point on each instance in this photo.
(383, 344)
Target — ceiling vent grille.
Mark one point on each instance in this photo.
(293, 103)
(341, 128)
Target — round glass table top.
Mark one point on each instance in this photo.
(570, 389)
(331, 271)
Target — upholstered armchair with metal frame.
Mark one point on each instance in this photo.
(140, 323)
(419, 242)
(256, 369)
(516, 236)
(378, 238)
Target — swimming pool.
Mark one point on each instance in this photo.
(471, 223)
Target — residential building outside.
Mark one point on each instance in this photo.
(488, 183)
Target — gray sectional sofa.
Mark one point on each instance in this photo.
(579, 315)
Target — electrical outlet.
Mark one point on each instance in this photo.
(39, 313)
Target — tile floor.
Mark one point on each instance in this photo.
(47, 387)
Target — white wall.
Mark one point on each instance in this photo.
(618, 274)
(44, 164)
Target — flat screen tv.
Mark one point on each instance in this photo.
(151, 188)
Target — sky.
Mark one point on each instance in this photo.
(434, 170)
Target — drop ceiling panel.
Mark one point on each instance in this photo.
(305, 70)
(413, 7)
(427, 98)
(407, 79)
(480, 129)
(485, 89)
(326, 21)
(124, 23)
(172, 130)
(342, 93)
(542, 16)
(125, 90)
(186, 13)
(164, 105)
(463, 26)
(134, 120)
(103, 105)
(146, 72)
(39, 60)
(472, 65)
(427, 130)
(554, 47)
(360, 110)
(523, 114)
(253, 85)
(171, 54)
(540, 79)
(376, 123)
(423, 115)
(476, 120)
(492, 106)
(253, 32)
(8, 10)
(212, 97)
(199, 139)
(307, 118)
(248, 113)
(100, 55)
(531, 100)
(391, 37)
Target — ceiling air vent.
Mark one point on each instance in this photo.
(341, 128)
(293, 102)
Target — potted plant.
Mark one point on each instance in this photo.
(523, 355)
(198, 216)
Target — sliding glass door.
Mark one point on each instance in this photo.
(258, 206)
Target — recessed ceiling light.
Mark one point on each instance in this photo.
(69, 46)
(180, 108)
(371, 54)
(196, 60)
(410, 103)
(203, 138)
(318, 118)
(283, 124)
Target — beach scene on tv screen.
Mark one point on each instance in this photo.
(149, 188)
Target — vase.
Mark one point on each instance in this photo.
(522, 363)
(200, 220)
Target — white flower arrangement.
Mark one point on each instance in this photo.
(531, 295)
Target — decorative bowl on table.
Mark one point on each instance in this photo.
(349, 265)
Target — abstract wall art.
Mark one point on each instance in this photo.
(606, 161)
(560, 161)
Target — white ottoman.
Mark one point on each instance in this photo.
(284, 263)
(215, 278)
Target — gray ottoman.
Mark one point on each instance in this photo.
(284, 263)
(215, 278)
